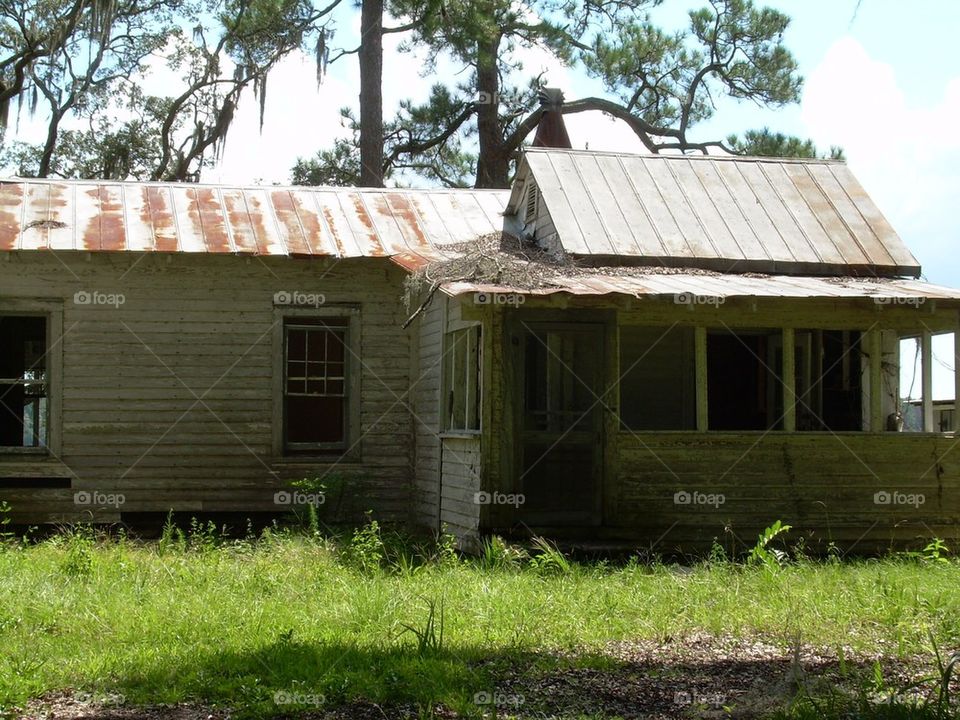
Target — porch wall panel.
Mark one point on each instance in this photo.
(824, 485)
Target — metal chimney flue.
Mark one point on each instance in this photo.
(551, 132)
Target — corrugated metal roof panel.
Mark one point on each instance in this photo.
(766, 214)
(722, 285)
(409, 225)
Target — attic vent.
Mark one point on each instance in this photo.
(530, 214)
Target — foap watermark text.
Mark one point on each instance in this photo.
(298, 298)
(684, 497)
(97, 298)
(499, 498)
(296, 497)
(893, 497)
(96, 498)
(692, 299)
(484, 298)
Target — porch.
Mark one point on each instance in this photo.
(665, 424)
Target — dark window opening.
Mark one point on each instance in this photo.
(561, 367)
(24, 400)
(744, 391)
(829, 368)
(463, 379)
(658, 378)
(315, 385)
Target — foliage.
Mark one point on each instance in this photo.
(547, 559)
(430, 635)
(95, 72)
(496, 554)
(661, 81)
(770, 144)
(763, 554)
(5, 521)
(366, 550)
(935, 551)
(78, 560)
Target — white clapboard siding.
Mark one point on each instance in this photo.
(168, 397)
(461, 463)
(426, 405)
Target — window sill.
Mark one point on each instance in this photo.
(460, 434)
(287, 461)
(20, 452)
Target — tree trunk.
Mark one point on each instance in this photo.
(53, 134)
(371, 93)
(493, 163)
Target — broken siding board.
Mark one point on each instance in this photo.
(461, 463)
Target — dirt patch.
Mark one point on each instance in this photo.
(699, 675)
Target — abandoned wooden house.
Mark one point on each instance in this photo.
(656, 350)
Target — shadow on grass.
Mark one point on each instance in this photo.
(293, 679)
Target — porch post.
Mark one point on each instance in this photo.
(956, 375)
(926, 364)
(876, 382)
(700, 353)
(789, 378)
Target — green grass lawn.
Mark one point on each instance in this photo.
(234, 623)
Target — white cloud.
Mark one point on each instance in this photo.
(905, 155)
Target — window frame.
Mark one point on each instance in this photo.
(349, 450)
(473, 330)
(52, 312)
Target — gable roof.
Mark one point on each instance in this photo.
(409, 226)
(723, 213)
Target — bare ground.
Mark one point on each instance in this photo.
(695, 676)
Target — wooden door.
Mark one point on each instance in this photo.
(560, 424)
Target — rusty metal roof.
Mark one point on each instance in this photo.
(726, 213)
(409, 226)
(893, 291)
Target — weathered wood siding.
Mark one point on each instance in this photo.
(168, 397)
(825, 485)
(427, 374)
(462, 467)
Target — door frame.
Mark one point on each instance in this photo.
(514, 330)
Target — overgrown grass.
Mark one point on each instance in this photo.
(201, 618)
